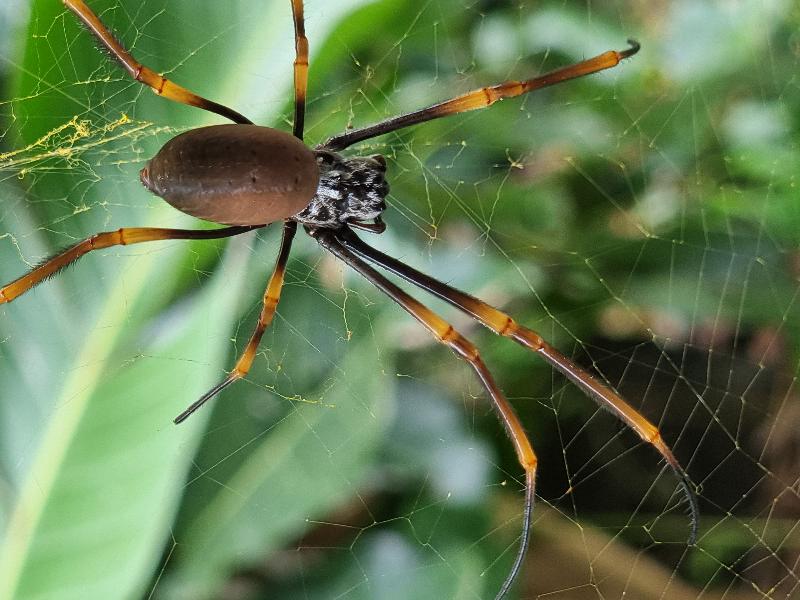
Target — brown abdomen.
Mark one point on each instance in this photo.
(234, 174)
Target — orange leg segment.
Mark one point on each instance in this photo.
(271, 297)
(300, 68)
(120, 237)
(158, 83)
(483, 97)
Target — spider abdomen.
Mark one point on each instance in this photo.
(234, 174)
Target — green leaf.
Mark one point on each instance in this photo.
(308, 464)
(91, 517)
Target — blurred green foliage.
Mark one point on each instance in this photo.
(644, 220)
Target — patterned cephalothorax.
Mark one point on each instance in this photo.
(350, 190)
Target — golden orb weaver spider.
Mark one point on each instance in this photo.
(262, 175)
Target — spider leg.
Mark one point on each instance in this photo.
(300, 68)
(158, 83)
(377, 226)
(271, 296)
(121, 237)
(482, 97)
(447, 335)
(502, 324)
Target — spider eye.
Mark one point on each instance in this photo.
(325, 159)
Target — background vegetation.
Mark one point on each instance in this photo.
(644, 220)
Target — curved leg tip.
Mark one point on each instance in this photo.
(525, 536)
(203, 399)
(694, 507)
(634, 48)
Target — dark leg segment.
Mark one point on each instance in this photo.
(120, 237)
(502, 324)
(271, 297)
(447, 335)
(158, 83)
(377, 226)
(300, 68)
(482, 98)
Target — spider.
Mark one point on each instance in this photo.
(247, 176)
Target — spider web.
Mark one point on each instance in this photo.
(643, 221)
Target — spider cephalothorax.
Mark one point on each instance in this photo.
(350, 190)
